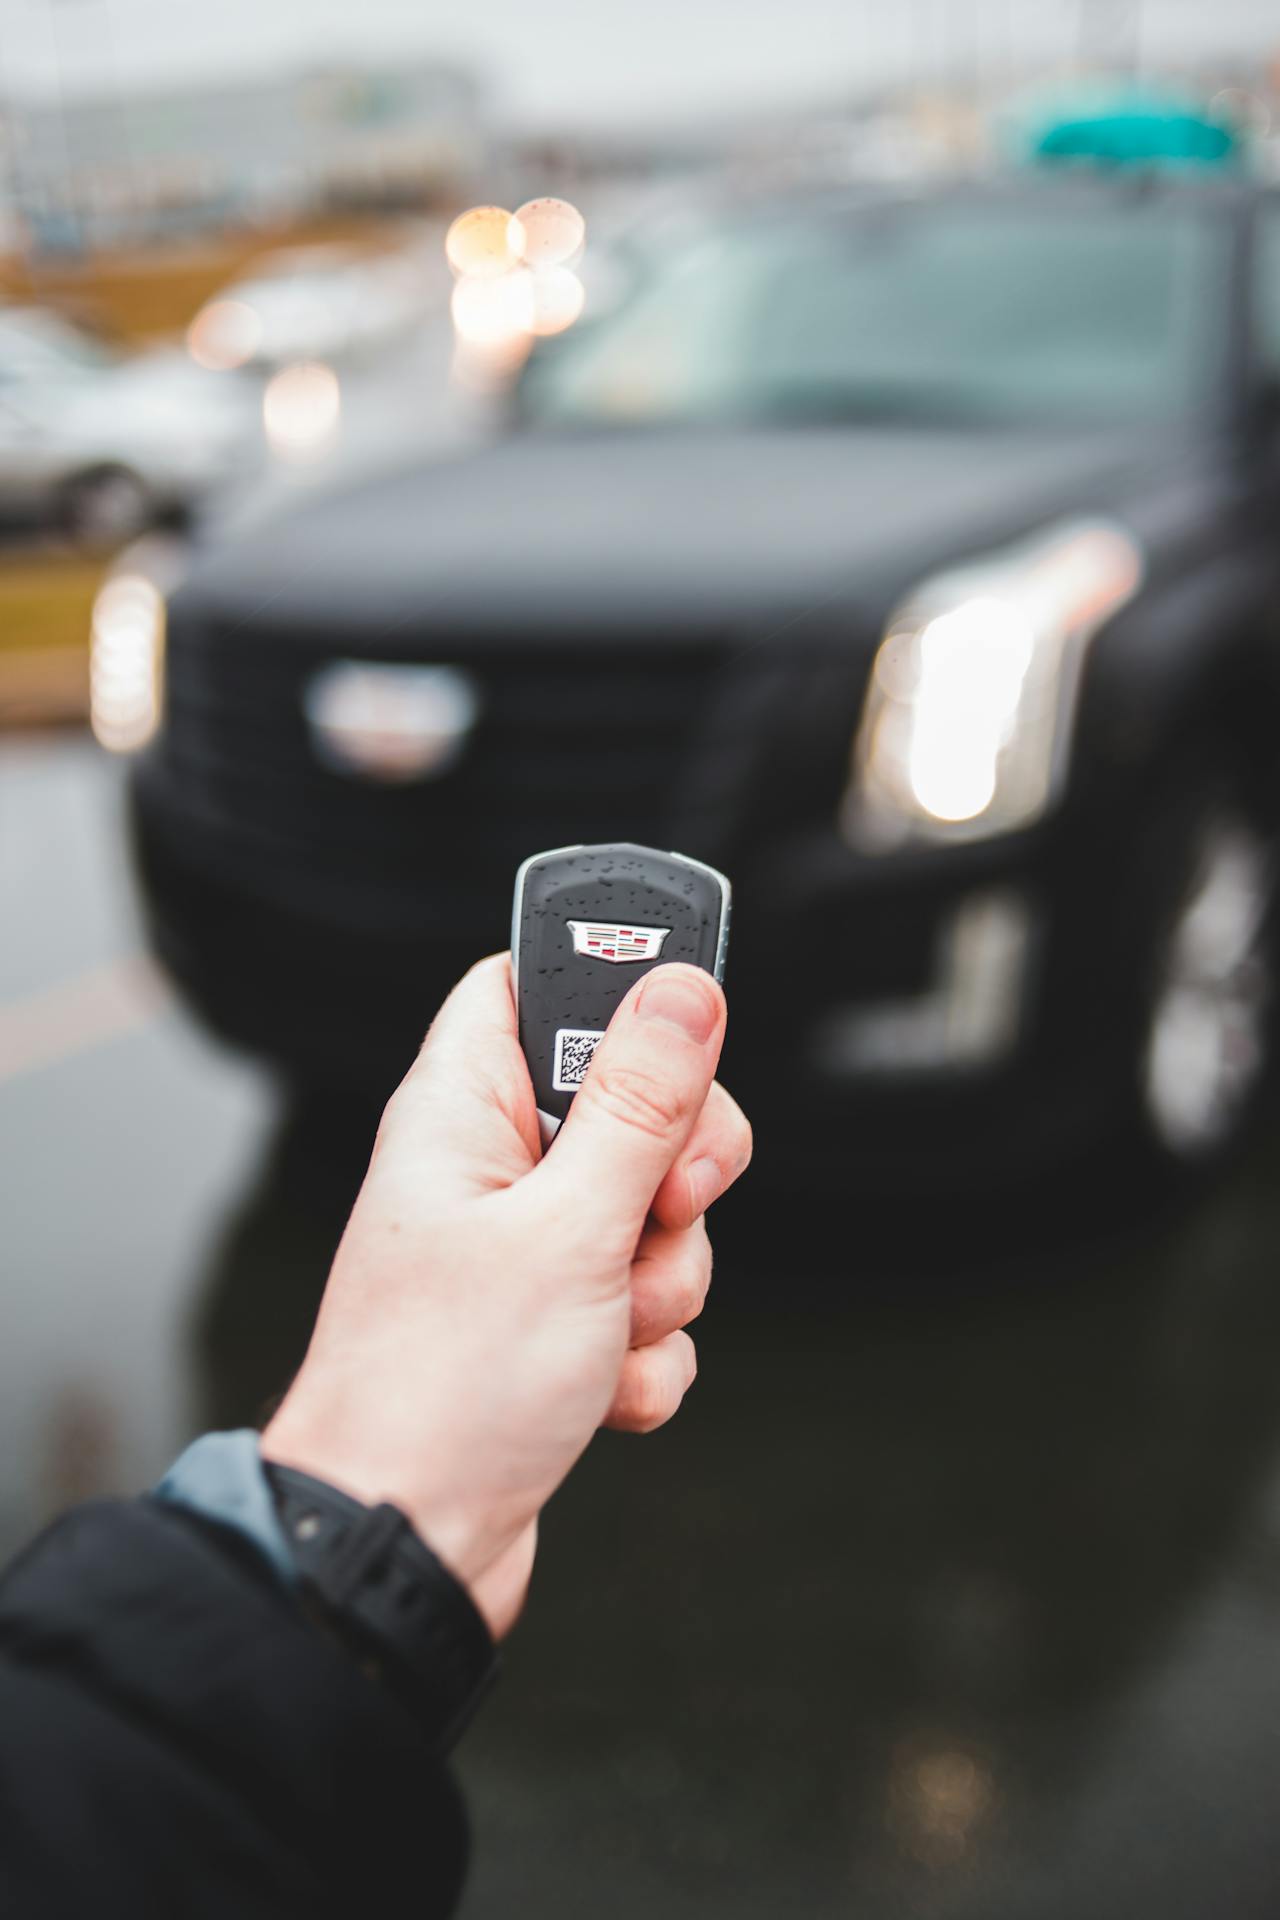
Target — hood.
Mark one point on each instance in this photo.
(684, 529)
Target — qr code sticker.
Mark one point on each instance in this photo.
(574, 1049)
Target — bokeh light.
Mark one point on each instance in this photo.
(547, 233)
(224, 334)
(558, 299)
(941, 1797)
(514, 284)
(301, 407)
(493, 312)
(477, 245)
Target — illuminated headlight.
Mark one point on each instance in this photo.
(125, 662)
(126, 645)
(966, 726)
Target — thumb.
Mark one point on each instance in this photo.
(636, 1108)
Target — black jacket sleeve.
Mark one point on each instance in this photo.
(177, 1739)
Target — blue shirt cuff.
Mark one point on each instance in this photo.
(220, 1475)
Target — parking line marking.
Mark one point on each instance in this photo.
(57, 1023)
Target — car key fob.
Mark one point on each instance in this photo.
(586, 923)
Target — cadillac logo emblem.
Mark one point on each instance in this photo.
(375, 720)
(601, 940)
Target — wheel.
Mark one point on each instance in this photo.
(106, 507)
(1208, 1041)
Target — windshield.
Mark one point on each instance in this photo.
(950, 311)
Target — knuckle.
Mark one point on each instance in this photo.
(389, 1120)
(691, 1364)
(651, 1412)
(745, 1143)
(640, 1100)
(691, 1302)
(649, 1404)
(741, 1143)
(670, 1299)
(694, 1283)
(404, 1111)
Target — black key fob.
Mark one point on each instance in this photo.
(586, 923)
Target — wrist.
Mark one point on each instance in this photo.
(370, 1582)
(460, 1540)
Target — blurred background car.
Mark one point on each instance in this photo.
(101, 444)
(910, 556)
(315, 303)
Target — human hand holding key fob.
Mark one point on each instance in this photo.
(587, 922)
(491, 1305)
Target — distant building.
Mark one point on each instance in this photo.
(133, 166)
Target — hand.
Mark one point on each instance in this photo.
(488, 1308)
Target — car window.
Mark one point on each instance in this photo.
(988, 311)
(1267, 290)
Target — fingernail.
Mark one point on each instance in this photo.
(680, 1001)
(705, 1184)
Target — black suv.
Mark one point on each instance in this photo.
(912, 556)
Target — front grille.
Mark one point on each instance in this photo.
(574, 741)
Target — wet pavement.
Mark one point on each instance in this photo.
(954, 1591)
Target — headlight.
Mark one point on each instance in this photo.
(126, 646)
(967, 720)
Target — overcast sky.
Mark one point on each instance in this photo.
(588, 62)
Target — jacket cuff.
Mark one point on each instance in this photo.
(221, 1476)
(178, 1627)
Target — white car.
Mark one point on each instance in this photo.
(102, 445)
(313, 303)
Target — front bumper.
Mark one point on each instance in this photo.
(920, 1019)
